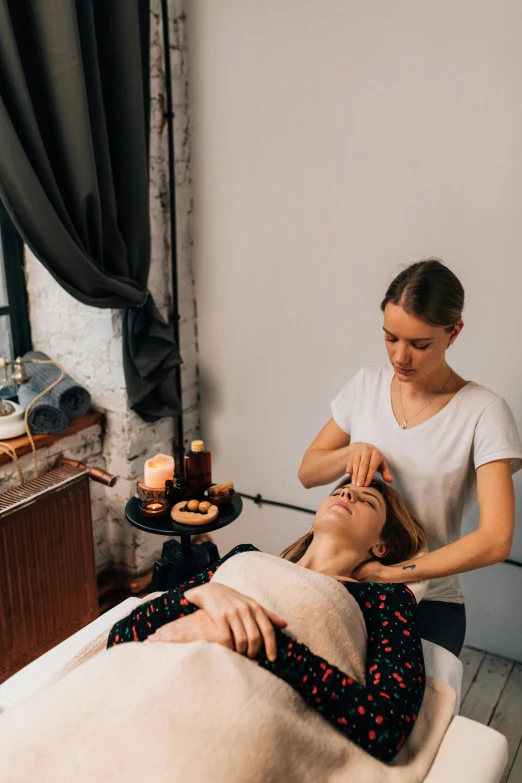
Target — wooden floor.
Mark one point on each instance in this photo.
(492, 694)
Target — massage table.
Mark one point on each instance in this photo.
(469, 753)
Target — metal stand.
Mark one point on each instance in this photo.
(181, 561)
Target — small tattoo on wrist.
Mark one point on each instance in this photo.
(405, 568)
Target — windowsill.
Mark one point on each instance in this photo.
(22, 444)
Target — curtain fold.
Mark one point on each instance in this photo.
(74, 135)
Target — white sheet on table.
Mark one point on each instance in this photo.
(441, 664)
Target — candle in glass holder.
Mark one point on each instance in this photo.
(158, 470)
(153, 508)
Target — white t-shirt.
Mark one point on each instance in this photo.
(433, 463)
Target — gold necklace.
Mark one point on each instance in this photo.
(405, 422)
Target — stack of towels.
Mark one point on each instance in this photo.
(51, 413)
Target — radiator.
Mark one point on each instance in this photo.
(47, 568)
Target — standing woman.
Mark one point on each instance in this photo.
(442, 440)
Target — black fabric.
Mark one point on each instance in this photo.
(74, 167)
(443, 623)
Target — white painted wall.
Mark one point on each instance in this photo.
(333, 142)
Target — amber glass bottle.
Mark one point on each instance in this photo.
(197, 469)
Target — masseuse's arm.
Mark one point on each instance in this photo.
(489, 544)
(331, 455)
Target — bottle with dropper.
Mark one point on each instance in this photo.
(197, 469)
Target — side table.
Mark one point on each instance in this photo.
(181, 561)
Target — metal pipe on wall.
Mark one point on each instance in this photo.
(169, 116)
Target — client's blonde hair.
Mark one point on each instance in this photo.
(402, 531)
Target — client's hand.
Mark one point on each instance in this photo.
(197, 627)
(242, 624)
(363, 462)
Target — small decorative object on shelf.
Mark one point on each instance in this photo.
(154, 508)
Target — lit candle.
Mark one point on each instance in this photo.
(158, 470)
(152, 508)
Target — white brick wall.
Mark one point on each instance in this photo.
(88, 342)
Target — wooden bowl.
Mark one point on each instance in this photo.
(193, 517)
(221, 500)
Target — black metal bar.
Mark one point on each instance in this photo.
(18, 310)
(259, 500)
(173, 237)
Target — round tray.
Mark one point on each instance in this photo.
(165, 526)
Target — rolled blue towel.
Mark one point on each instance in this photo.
(44, 417)
(50, 414)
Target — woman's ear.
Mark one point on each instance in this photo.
(380, 550)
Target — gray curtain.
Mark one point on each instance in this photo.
(74, 167)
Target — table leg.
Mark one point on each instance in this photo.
(180, 562)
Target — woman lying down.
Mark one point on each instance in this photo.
(352, 525)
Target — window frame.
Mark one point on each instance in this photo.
(17, 307)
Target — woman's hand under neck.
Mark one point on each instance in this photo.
(330, 563)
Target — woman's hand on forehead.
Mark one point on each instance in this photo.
(364, 461)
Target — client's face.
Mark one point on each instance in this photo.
(355, 516)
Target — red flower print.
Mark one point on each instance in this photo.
(385, 623)
(397, 676)
(385, 695)
(368, 605)
(372, 735)
(327, 674)
(385, 641)
(407, 719)
(314, 690)
(406, 633)
(183, 602)
(408, 664)
(379, 719)
(382, 598)
(372, 668)
(387, 649)
(342, 721)
(361, 710)
(370, 697)
(381, 606)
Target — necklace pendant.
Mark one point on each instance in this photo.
(403, 426)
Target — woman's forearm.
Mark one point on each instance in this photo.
(476, 550)
(322, 466)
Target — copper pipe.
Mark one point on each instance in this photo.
(97, 474)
